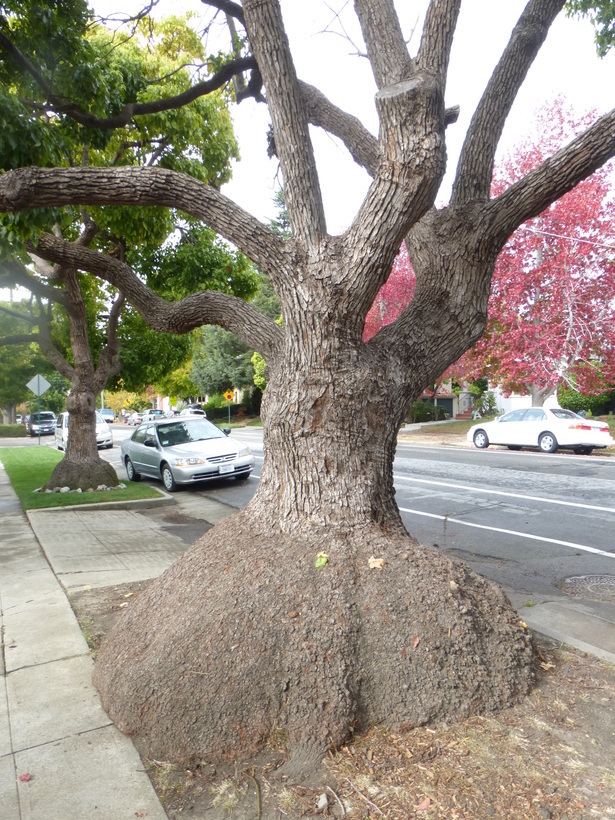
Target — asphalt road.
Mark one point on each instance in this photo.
(528, 520)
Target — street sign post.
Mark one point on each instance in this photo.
(229, 396)
(38, 385)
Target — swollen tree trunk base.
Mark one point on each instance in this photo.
(83, 475)
(244, 638)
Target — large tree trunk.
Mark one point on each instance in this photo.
(247, 635)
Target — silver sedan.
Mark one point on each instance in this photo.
(184, 451)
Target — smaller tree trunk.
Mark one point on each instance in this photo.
(540, 394)
(82, 467)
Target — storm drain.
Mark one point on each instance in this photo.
(597, 587)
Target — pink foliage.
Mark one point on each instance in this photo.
(393, 297)
(552, 303)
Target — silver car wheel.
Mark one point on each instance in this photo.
(132, 474)
(167, 479)
(481, 439)
(547, 443)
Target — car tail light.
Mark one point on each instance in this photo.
(602, 428)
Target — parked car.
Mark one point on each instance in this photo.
(19, 418)
(548, 429)
(108, 414)
(42, 424)
(153, 414)
(135, 418)
(193, 411)
(184, 451)
(104, 436)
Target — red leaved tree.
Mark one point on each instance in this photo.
(392, 297)
(552, 303)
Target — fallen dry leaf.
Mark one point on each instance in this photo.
(415, 641)
(424, 805)
(376, 563)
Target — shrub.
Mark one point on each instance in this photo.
(594, 405)
(12, 431)
(420, 412)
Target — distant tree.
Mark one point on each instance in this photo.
(552, 304)
(52, 53)
(220, 362)
(393, 296)
(20, 360)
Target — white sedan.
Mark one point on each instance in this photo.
(549, 429)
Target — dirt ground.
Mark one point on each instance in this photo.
(553, 756)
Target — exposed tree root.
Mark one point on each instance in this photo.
(244, 638)
(82, 475)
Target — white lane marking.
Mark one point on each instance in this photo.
(570, 544)
(398, 477)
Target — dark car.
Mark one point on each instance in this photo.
(42, 424)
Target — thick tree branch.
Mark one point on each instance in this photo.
(554, 178)
(228, 7)
(109, 362)
(386, 48)
(29, 188)
(475, 166)
(362, 146)
(28, 319)
(303, 197)
(206, 307)
(437, 40)
(49, 350)
(19, 338)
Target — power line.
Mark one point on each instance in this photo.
(569, 238)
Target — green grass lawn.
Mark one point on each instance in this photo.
(28, 468)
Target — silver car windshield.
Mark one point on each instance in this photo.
(185, 432)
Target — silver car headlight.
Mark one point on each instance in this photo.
(188, 462)
(245, 451)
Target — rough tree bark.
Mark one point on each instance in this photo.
(82, 467)
(245, 634)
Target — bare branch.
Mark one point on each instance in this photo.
(228, 7)
(386, 47)
(475, 166)
(19, 339)
(437, 40)
(20, 275)
(303, 196)
(109, 362)
(362, 145)
(48, 348)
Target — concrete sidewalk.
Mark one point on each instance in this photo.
(61, 758)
